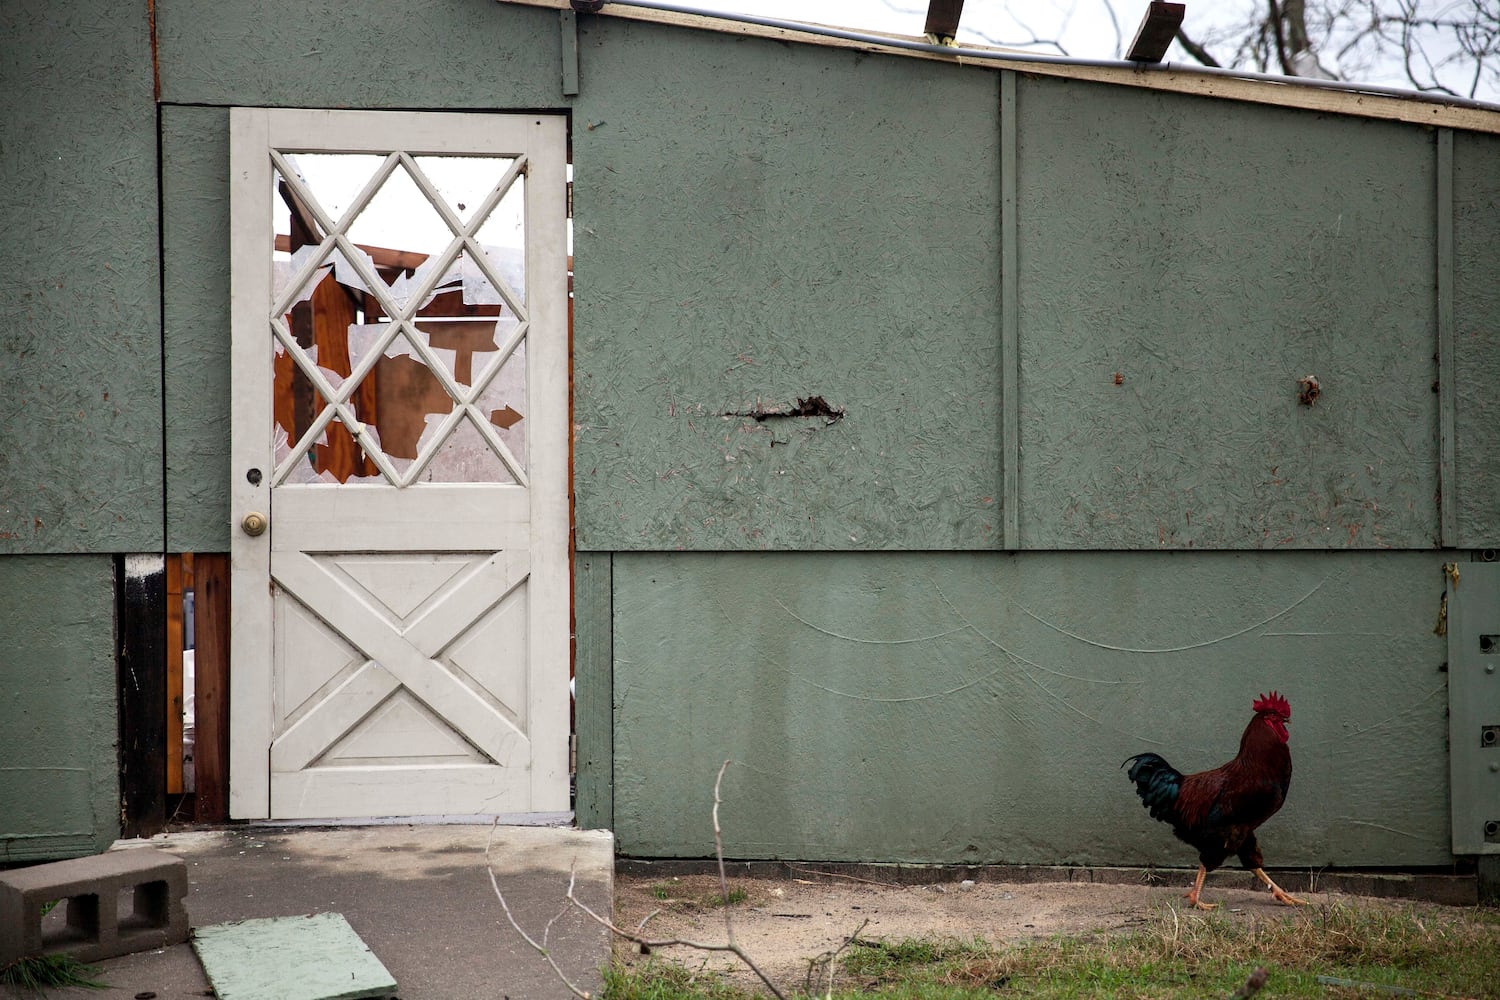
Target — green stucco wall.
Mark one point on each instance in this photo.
(1212, 254)
(80, 403)
(728, 262)
(453, 54)
(754, 227)
(1476, 337)
(58, 786)
(758, 223)
(80, 350)
(195, 297)
(975, 708)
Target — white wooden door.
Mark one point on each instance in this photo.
(399, 638)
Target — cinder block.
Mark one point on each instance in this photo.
(114, 903)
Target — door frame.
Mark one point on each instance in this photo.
(253, 132)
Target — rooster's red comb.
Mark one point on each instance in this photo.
(1273, 702)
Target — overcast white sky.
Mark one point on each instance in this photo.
(1085, 29)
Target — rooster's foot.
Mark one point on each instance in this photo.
(1277, 892)
(1192, 894)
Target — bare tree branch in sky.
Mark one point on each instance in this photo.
(1438, 46)
(1195, 50)
(1441, 46)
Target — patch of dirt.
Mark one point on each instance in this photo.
(782, 924)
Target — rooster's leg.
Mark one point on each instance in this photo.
(1192, 897)
(1281, 895)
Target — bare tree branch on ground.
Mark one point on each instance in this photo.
(649, 944)
(829, 961)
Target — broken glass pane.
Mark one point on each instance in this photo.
(334, 179)
(399, 216)
(342, 319)
(503, 238)
(503, 403)
(463, 181)
(465, 457)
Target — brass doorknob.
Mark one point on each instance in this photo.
(254, 523)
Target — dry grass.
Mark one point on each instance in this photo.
(1172, 955)
(1177, 953)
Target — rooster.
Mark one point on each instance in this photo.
(1217, 811)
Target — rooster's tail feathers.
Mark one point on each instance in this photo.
(1157, 783)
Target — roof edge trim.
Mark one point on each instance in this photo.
(1332, 97)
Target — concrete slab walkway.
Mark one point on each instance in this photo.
(419, 896)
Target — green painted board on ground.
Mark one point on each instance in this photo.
(312, 957)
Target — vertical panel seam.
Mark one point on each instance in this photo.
(568, 26)
(608, 811)
(1447, 471)
(594, 707)
(161, 318)
(1009, 317)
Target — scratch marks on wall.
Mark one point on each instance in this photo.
(1381, 826)
(903, 704)
(878, 642)
(1411, 714)
(1179, 649)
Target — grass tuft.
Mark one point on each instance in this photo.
(688, 896)
(656, 979)
(36, 973)
(734, 898)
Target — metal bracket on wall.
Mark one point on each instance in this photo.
(1474, 705)
(568, 25)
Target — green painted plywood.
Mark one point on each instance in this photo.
(454, 54)
(1212, 254)
(593, 666)
(758, 224)
(975, 708)
(317, 956)
(1476, 337)
(58, 785)
(195, 297)
(80, 355)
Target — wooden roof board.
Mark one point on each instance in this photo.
(1286, 92)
